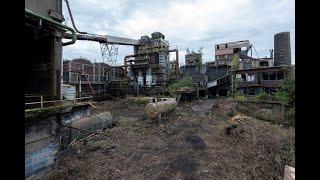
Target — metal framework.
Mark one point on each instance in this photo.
(109, 53)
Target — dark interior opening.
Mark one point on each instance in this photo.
(264, 63)
(223, 92)
(272, 76)
(38, 67)
(280, 75)
(212, 92)
(202, 93)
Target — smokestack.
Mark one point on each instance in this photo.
(282, 49)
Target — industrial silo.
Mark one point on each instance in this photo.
(282, 49)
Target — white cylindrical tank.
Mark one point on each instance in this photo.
(140, 79)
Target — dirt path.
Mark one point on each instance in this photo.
(192, 144)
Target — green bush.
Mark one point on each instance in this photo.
(283, 97)
(262, 96)
(290, 114)
(240, 99)
(184, 83)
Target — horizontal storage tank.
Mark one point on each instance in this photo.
(153, 110)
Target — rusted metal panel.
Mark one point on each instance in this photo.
(223, 52)
(269, 84)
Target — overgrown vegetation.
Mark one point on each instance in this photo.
(184, 84)
(286, 95)
(234, 68)
(240, 99)
(262, 96)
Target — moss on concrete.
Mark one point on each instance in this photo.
(40, 112)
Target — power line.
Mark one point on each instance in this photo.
(255, 51)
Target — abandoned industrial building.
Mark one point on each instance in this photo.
(68, 101)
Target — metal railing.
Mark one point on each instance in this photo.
(74, 78)
(40, 103)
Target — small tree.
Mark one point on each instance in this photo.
(234, 68)
(286, 93)
(184, 83)
(288, 84)
(262, 95)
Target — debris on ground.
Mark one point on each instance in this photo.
(289, 173)
(192, 146)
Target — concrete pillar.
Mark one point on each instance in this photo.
(56, 65)
(93, 73)
(69, 71)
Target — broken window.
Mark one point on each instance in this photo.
(265, 76)
(217, 47)
(243, 76)
(226, 45)
(280, 75)
(272, 76)
(264, 63)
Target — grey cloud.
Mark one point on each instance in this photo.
(257, 21)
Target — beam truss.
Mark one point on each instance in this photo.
(109, 53)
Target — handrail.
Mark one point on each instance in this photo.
(74, 34)
(42, 102)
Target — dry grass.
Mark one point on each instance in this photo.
(191, 145)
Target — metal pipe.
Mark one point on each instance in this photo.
(74, 34)
(70, 14)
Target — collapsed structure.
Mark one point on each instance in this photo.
(252, 75)
(149, 66)
(267, 73)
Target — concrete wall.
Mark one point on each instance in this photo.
(75, 114)
(42, 145)
(264, 110)
(45, 137)
(214, 73)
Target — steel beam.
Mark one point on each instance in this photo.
(104, 39)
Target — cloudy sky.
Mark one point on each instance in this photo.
(185, 23)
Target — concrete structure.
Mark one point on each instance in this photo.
(250, 81)
(225, 51)
(149, 66)
(46, 135)
(43, 71)
(193, 59)
(218, 79)
(196, 70)
(282, 49)
(95, 77)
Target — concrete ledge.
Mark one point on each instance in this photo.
(289, 173)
